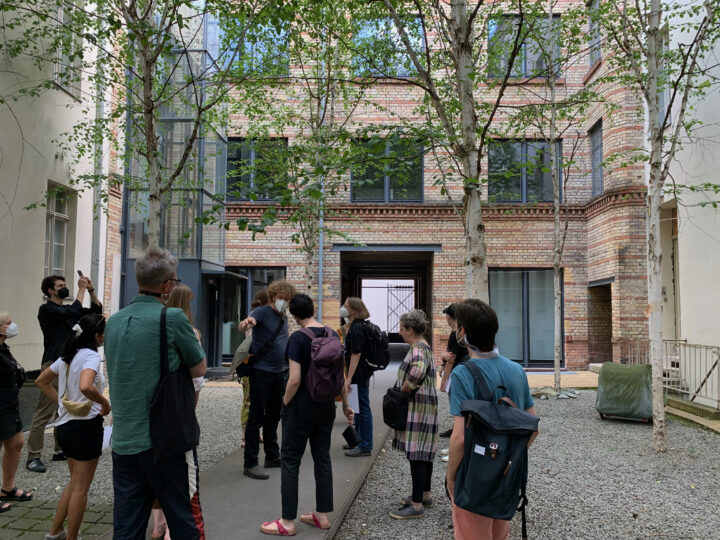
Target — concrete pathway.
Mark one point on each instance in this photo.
(32, 519)
(234, 506)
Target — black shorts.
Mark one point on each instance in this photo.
(81, 439)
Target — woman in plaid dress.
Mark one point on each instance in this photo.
(416, 377)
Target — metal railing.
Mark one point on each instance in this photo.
(688, 369)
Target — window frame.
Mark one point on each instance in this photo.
(63, 62)
(387, 180)
(391, 31)
(597, 184)
(53, 216)
(252, 172)
(525, 74)
(524, 171)
(595, 45)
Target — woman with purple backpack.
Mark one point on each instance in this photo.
(316, 377)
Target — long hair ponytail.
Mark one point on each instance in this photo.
(83, 336)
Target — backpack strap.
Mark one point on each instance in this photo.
(480, 381)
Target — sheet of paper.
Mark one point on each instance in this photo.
(353, 398)
(107, 437)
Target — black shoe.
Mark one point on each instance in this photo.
(59, 456)
(256, 472)
(35, 465)
(272, 463)
(347, 447)
(446, 434)
(357, 452)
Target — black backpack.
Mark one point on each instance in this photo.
(493, 474)
(377, 347)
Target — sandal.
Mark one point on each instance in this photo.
(312, 519)
(280, 531)
(13, 495)
(4, 507)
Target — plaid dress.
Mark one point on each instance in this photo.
(419, 440)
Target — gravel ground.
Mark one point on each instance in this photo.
(589, 479)
(219, 416)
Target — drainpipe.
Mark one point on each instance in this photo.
(97, 189)
(321, 242)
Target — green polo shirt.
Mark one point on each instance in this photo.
(132, 350)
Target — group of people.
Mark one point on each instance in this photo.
(281, 385)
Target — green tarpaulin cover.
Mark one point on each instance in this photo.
(624, 391)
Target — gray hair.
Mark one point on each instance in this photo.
(155, 267)
(415, 320)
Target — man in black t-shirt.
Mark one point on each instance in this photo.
(56, 322)
(355, 312)
(452, 357)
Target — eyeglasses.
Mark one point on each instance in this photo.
(176, 280)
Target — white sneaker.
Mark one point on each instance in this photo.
(445, 458)
(444, 452)
(62, 535)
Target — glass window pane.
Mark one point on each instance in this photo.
(541, 319)
(60, 203)
(406, 171)
(505, 164)
(501, 38)
(596, 151)
(265, 52)
(368, 173)
(59, 232)
(506, 299)
(538, 174)
(268, 168)
(235, 300)
(137, 223)
(178, 227)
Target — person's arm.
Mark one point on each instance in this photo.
(456, 454)
(247, 324)
(44, 383)
(188, 347)
(90, 391)
(416, 373)
(354, 361)
(95, 304)
(198, 370)
(532, 411)
(293, 382)
(449, 363)
(347, 410)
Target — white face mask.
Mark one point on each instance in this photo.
(464, 342)
(281, 305)
(12, 330)
(344, 313)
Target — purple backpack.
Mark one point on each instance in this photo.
(325, 376)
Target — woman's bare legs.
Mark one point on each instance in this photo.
(11, 458)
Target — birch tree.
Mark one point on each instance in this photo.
(663, 50)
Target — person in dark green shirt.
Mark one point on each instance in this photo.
(132, 349)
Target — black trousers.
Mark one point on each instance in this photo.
(266, 393)
(421, 472)
(305, 420)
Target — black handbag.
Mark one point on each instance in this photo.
(395, 408)
(245, 367)
(174, 428)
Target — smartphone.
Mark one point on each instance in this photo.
(80, 273)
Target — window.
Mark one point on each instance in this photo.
(532, 60)
(524, 303)
(519, 171)
(379, 50)
(254, 168)
(56, 229)
(65, 74)
(596, 158)
(390, 171)
(594, 32)
(265, 53)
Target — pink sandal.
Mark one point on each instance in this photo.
(313, 520)
(280, 531)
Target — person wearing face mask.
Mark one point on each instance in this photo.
(56, 320)
(477, 325)
(267, 377)
(12, 377)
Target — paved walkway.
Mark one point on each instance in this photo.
(32, 519)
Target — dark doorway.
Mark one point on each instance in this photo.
(600, 323)
(404, 278)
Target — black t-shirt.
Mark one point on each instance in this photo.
(460, 352)
(354, 344)
(298, 349)
(56, 323)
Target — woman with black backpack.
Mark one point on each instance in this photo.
(316, 378)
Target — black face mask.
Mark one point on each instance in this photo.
(64, 292)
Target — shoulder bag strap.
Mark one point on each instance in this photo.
(266, 347)
(480, 381)
(164, 362)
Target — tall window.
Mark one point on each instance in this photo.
(524, 302)
(64, 72)
(594, 32)
(379, 50)
(539, 48)
(254, 167)
(596, 158)
(265, 52)
(389, 171)
(519, 171)
(56, 230)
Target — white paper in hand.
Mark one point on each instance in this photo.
(107, 437)
(353, 398)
